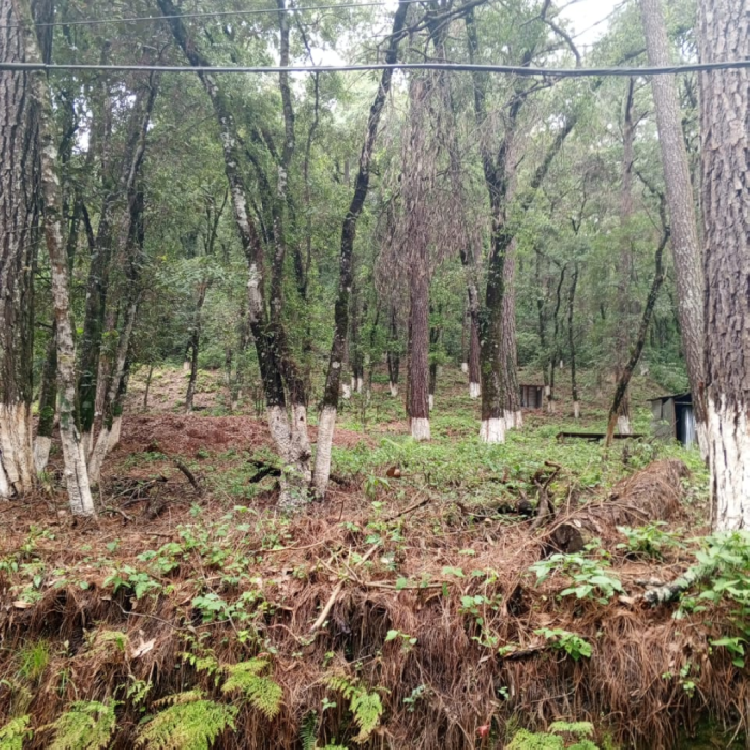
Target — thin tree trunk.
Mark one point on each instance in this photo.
(635, 353)
(79, 493)
(392, 355)
(150, 375)
(685, 245)
(327, 419)
(475, 372)
(47, 405)
(194, 346)
(626, 256)
(18, 246)
(555, 345)
(512, 406)
(419, 289)
(725, 102)
(572, 341)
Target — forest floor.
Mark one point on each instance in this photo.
(426, 604)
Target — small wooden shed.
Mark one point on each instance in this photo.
(674, 418)
(532, 396)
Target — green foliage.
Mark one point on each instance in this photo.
(15, 732)
(554, 738)
(261, 692)
(589, 575)
(86, 725)
(33, 659)
(367, 708)
(570, 643)
(648, 542)
(722, 574)
(191, 722)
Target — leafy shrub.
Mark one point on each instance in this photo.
(552, 739)
(570, 643)
(190, 723)
(14, 733)
(261, 692)
(87, 725)
(648, 541)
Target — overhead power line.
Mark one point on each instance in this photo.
(522, 71)
(207, 14)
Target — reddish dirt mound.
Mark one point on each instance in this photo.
(184, 434)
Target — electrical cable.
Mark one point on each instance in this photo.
(518, 70)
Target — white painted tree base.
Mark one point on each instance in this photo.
(519, 419)
(326, 429)
(42, 446)
(16, 450)
(623, 425)
(430, 401)
(394, 390)
(464, 367)
(475, 390)
(346, 391)
(186, 366)
(551, 406)
(420, 428)
(115, 434)
(729, 459)
(701, 435)
(493, 431)
(576, 409)
(359, 385)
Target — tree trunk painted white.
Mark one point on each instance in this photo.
(79, 492)
(464, 367)
(729, 440)
(98, 454)
(42, 446)
(551, 406)
(186, 366)
(623, 425)
(492, 431)
(326, 429)
(291, 442)
(430, 402)
(115, 433)
(16, 452)
(509, 417)
(724, 36)
(420, 428)
(519, 419)
(475, 390)
(394, 390)
(576, 409)
(346, 391)
(360, 385)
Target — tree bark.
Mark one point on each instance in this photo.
(18, 245)
(635, 353)
(724, 31)
(626, 255)
(47, 405)
(327, 418)
(392, 355)
(194, 345)
(79, 493)
(572, 340)
(512, 392)
(685, 245)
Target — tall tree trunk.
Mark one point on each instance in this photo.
(327, 419)
(475, 371)
(725, 166)
(47, 405)
(392, 355)
(626, 255)
(419, 319)
(194, 346)
(436, 335)
(685, 245)
(640, 340)
(18, 246)
(572, 340)
(79, 493)
(512, 406)
(554, 353)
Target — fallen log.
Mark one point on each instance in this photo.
(652, 494)
(594, 437)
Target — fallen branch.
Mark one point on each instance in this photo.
(670, 592)
(189, 474)
(408, 510)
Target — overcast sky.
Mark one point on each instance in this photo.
(584, 14)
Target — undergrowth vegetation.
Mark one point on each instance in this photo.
(424, 605)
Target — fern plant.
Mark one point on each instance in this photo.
(262, 692)
(191, 722)
(14, 733)
(367, 708)
(87, 725)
